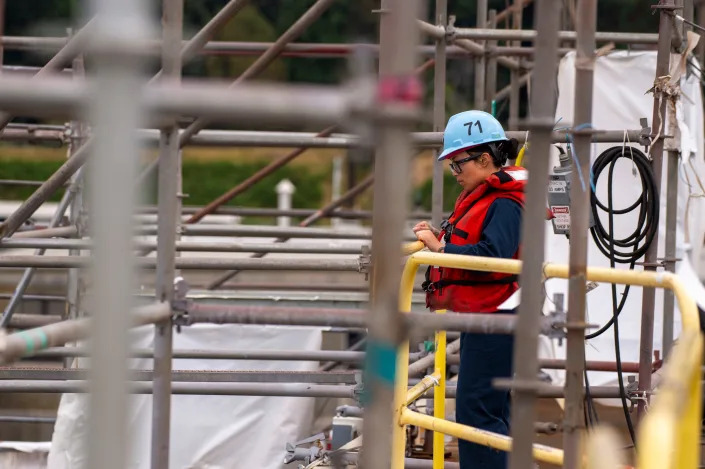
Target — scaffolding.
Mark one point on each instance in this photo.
(127, 112)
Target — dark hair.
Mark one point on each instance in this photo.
(500, 151)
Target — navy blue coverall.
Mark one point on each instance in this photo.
(485, 357)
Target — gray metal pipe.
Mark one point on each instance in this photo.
(28, 321)
(67, 170)
(409, 463)
(297, 49)
(19, 182)
(196, 44)
(26, 343)
(24, 282)
(526, 369)
(267, 139)
(263, 61)
(257, 389)
(439, 113)
(263, 231)
(251, 231)
(336, 356)
(22, 135)
(186, 246)
(480, 71)
(73, 47)
(294, 212)
(670, 246)
(204, 389)
(548, 391)
(26, 419)
(168, 226)
(574, 417)
(190, 376)
(439, 32)
(280, 104)
(203, 263)
(529, 35)
(62, 231)
(256, 355)
(421, 366)
(31, 297)
(343, 317)
(43, 193)
(323, 211)
(648, 301)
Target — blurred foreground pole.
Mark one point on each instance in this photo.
(114, 112)
(398, 89)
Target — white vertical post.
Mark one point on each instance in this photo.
(337, 183)
(285, 189)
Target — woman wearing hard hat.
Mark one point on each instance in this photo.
(486, 222)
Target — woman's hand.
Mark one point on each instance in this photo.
(429, 239)
(424, 225)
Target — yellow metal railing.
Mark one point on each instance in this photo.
(669, 436)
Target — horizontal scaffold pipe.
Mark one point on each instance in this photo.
(341, 356)
(28, 321)
(315, 355)
(253, 138)
(294, 212)
(188, 246)
(249, 231)
(270, 139)
(190, 376)
(205, 389)
(46, 232)
(530, 35)
(255, 103)
(256, 389)
(342, 317)
(238, 48)
(199, 263)
(28, 342)
(28, 135)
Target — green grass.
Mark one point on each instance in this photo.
(210, 172)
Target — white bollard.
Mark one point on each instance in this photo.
(285, 189)
(337, 184)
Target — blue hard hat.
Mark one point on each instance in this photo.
(469, 129)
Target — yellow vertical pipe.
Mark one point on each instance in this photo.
(439, 398)
(400, 385)
(687, 434)
(401, 379)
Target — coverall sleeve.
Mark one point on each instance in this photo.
(501, 232)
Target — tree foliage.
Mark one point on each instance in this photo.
(250, 26)
(264, 20)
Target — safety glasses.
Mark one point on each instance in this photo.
(455, 165)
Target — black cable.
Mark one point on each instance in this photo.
(629, 249)
(625, 250)
(632, 247)
(592, 416)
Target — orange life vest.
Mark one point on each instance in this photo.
(471, 291)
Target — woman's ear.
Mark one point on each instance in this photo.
(485, 160)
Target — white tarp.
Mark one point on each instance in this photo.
(208, 432)
(619, 101)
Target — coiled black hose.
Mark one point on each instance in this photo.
(629, 249)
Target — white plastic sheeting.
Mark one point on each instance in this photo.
(619, 101)
(208, 432)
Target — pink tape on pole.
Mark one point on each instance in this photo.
(406, 89)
